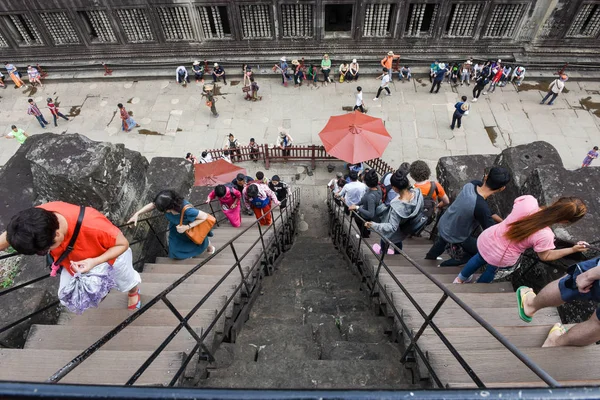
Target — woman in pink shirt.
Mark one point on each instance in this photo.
(230, 199)
(527, 226)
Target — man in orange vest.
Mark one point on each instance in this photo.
(388, 61)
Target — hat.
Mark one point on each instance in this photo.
(196, 62)
(209, 86)
(339, 175)
(564, 78)
(354, 61)
(295, 62)
(442, 65)
(215, 65)
(275, 178)
(469, 62)
(464, 107)
(499, 60)
(390, 53)
(282, 59)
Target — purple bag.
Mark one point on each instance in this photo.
(87, 290)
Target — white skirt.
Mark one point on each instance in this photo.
(125, 276)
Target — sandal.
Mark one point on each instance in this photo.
(522, 292)
(137, 305)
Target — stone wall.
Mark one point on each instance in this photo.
(131, 31)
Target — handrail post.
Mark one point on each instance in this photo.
(275, 229)
(312, 159)
(266, 155)
(212, 211)
(262, 241)
(376, 278)
(237, 262)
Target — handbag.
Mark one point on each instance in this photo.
(246, 89)
(198, 233)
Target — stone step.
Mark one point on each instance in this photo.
(312, 374)
(474, 300)
(101, 368)
(423, 284)
(210, 269)
(233, 278)
(341, 350)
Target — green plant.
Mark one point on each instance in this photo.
(8, 279)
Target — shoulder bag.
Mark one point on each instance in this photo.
(198, 233)
(55, 265)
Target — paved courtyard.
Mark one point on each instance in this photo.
(175, 119)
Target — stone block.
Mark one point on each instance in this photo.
(77, 170)
(548, 184)
(454, 172)
(521, 161)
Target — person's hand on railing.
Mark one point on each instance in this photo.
(368, 224)
(134, 219)
(353, 207)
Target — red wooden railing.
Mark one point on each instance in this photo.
(310, 153)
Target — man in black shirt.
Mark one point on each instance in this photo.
(280, 188)
(240, 183)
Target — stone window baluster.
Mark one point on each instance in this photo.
(587, 21)
(3, 42)
(60, 27)
(28, 32)
(135, 24)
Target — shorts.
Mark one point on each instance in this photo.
(125, 276)
(568, 294)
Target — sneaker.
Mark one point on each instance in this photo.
(452, 263)
(483, 92)
(375, 99)
(377, 249)
(474, 100)
(458, 281)
(388, 94)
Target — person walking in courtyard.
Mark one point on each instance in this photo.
(127, 121)
(359, 103)
(18, 134)
(35, 111)
(283, 69)
(258, 197)
(461, 109)
(34, 76)
(556, 87)
(526, 227)
(582, 283)
(280, 188)
(353, 69)
(172, 205)
(385, 83)
(388, 62)
(98, 246)
(54, 111)
(14, 74)
(254, 90)
(181, 75)
(229, 199)
(326, 68)
(438, 78)
(480, 83)
(218, 72)
(591, 156)
(207, 91)
(198, 71)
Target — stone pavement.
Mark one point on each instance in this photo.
(175, 119)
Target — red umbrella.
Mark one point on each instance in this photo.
(355, 137)
(215, 173)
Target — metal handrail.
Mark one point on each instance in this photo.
(549, 380)
(293, 201)
(46, 276)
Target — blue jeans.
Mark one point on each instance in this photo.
(550, 93)
(473, 265)
(41, 120)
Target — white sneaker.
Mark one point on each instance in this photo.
(474, 100)
(483, 92)
(388, 94)
(457, 280)
(375, 99)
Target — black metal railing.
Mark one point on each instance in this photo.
(281, 234)
(340, 230)
(152, 232)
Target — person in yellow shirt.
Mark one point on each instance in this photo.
(388, 61)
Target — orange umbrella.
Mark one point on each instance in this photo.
(215, 173)
(355, 137)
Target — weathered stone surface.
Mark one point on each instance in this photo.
(521, 161)
(548, 184)
(455, 171)
(77, 170)
(16, 183)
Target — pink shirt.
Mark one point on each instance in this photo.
(498, 251)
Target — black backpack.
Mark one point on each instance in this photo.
(429, 204)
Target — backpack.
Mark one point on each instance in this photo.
(429, 204)
(385, 189)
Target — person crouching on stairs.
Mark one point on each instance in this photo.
(230, 199)
(260, 198)
(99, 248)
(172, 204)
(527, 226)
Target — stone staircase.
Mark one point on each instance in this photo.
(50, 347)
(496, 366)
(312, 328)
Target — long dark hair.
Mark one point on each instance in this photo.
(565, 209)
(167, 200)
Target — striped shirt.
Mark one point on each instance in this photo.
(34, 110)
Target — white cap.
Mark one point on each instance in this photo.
(283, 59)
(354, 61)
(442, 65)
(216, 65)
